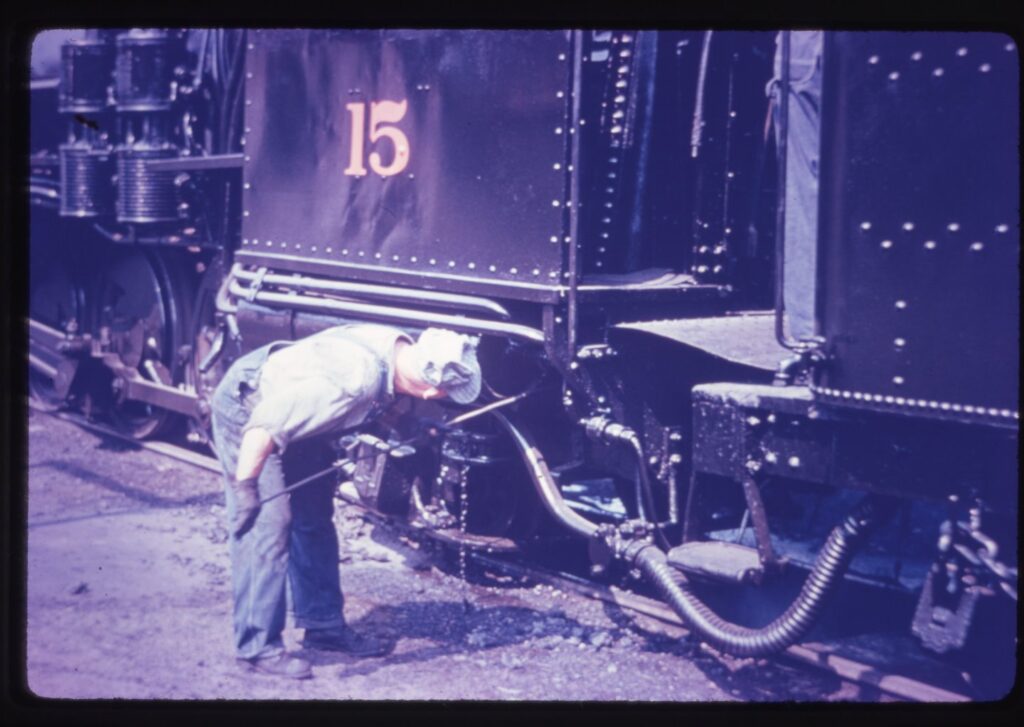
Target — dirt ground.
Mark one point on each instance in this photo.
(128, 597)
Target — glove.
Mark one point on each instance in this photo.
(247, 505)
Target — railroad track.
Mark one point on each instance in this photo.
(814, 655)
(165, 448)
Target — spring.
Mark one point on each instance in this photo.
(85, 181)
(145, 195)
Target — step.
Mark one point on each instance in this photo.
(730, 562)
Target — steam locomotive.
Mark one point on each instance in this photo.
(747, 301)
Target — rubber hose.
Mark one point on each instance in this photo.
(832, 561)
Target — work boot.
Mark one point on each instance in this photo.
(280, 665)
(342, 638)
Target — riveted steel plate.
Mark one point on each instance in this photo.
(477, 117)
(920, 223)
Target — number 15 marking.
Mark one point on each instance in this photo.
(381, 114)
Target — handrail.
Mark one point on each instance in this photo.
(380, 291)
(419, 317)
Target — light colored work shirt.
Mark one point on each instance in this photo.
(330, 380)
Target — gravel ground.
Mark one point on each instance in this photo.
(128, 597)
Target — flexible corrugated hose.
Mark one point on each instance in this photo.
(787, 629)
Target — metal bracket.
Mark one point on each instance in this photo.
(762, 533)
(801, 364)
(939, 622)
(596, 351)
(623, 542)
(966, 569)
(255, 285)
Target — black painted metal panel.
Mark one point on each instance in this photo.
(483, 191)
(728, 144)
(775, 431)
(920, 223)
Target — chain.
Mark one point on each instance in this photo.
(1005, 576)
(463, 529)
(967, 540)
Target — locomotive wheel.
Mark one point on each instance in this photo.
(142, 298)
(58, 301)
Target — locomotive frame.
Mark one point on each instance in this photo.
(216, 190)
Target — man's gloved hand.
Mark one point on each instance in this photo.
(247, 505)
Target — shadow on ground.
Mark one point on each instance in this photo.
(144, 496)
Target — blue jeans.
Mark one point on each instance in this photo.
(293, 544)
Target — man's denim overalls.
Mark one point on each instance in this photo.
(293, 542)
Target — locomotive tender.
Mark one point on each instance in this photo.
(701, 385)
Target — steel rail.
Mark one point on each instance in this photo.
(814, 655)
(808, 654)
(165, 448)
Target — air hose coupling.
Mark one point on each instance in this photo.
(601, 428)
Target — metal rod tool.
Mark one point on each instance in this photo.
(401, 449)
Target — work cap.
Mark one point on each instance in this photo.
(447, 360)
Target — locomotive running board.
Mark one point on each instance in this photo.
(747, 338)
